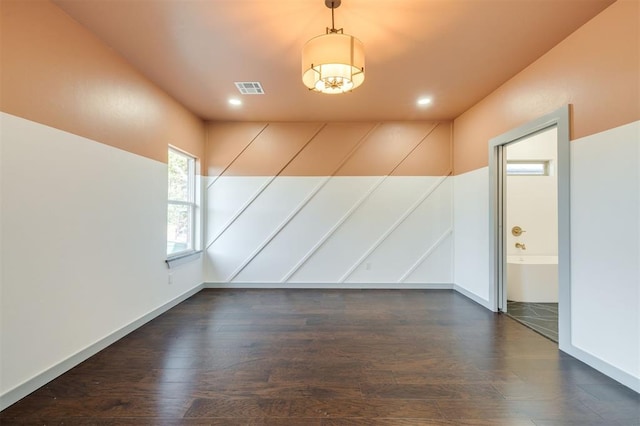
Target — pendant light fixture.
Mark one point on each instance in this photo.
(333, 62)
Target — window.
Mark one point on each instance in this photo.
(181, 203)
(528, 168)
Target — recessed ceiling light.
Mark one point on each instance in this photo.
(235, 102)
(424, 101)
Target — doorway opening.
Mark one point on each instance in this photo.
(527, 243)
(530, 212)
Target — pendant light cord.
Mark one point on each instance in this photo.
(333, 25)
(333, 6)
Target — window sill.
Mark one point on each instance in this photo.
(182, 258)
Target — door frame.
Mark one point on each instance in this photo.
(497, 235)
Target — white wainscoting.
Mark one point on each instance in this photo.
(605, 248)
(83, 245)
(471, 228)
(330, 230)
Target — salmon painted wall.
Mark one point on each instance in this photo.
(328, 149)
(56, 72)
(596, 69)
(329, 204)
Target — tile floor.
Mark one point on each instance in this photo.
(540, 317)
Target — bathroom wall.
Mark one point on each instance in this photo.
(532, 201)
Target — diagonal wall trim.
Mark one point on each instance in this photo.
(262, 188)
(241, 210)
(355, 148)
(237, 156)
(393, 169)
(308, 198)
(279, 228)
(353, 209)
(394, 226)
(300, 206)
(333, 229)
(426, 254)
(315, 220)
(414, 148)
(302, 149)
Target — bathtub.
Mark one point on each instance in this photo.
(532, 279)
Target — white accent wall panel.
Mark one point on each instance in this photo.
(227, 201)
(328, 206)
(83, 244)
(332, 230)
(254, 226)
(471, 229)
(402, 247)
(436, 263)
(605, 247)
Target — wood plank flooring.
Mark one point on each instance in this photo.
(330, 357)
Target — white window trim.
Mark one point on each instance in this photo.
(191, 252)
(180, 259)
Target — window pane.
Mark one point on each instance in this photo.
(178, 176)
(524, 168)
(178, 228)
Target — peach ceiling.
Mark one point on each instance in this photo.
(455, 51)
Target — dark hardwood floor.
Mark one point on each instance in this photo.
(330, 357)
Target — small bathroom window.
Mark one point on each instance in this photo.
(528, 168)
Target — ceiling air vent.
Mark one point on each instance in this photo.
(249, 87)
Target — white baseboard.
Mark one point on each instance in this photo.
(480, 301)
(14, 395)
(604, 367)
(347, 286)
